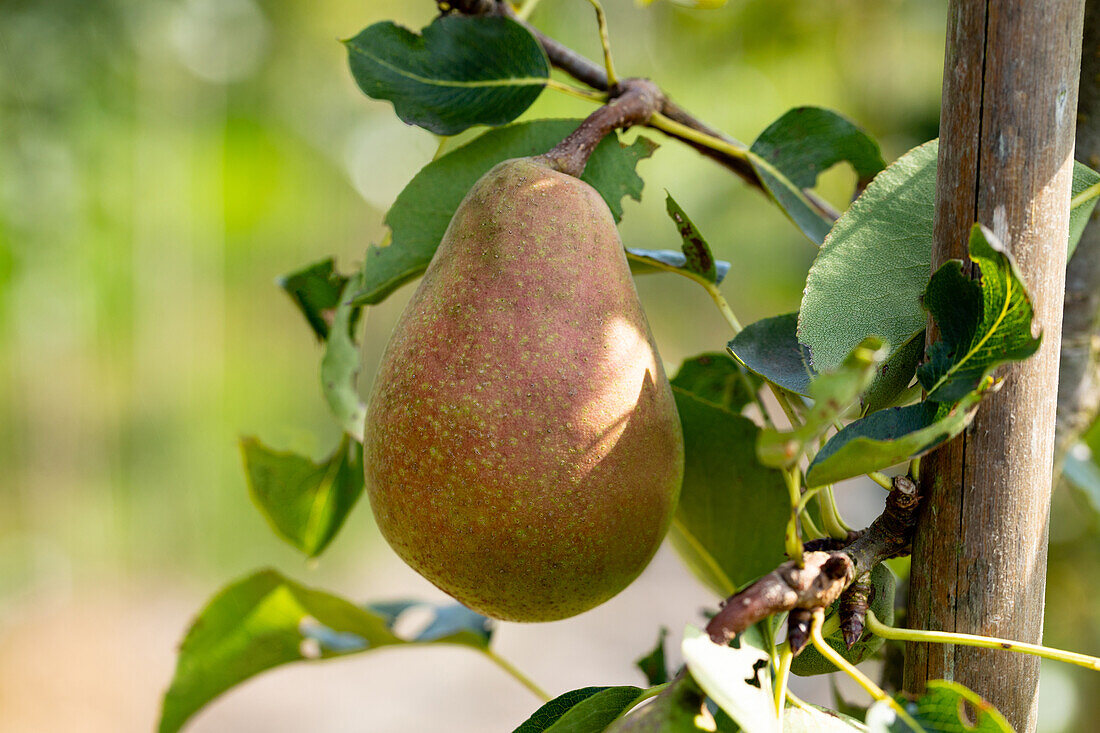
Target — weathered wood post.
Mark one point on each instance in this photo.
(1006, 153)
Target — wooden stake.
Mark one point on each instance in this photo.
(1006, 154)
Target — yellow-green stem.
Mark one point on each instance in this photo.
(525, 10)
(782, 674)
(987, 642)
(792, 476)
(1089, 193)
(645, 695)
(588, 95)
(881, 479)
(809, 529)
(605, 42)
(677, 129)
(849, 669)
(516, 674)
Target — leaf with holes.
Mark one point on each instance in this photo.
(983, 323)
(266, 620)
(945, 707)
(459, 72)
(833, 395)
(698, 259)
(770, 349)
(736, 677)
(891, 436)
(648, 261)
(729, 524)
(869, 276)
(423, 210)
(306, 503)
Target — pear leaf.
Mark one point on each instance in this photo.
(587, 710)
(340, 365)
(423, 210)
(306, 503)
(890, 436)
(983, 323)
(730, 522)
(870, 274)
(459, 72)
(807, 141)
(736, 677)
(316, 290)
(770, 349)
(833, 394)
(717, 379)
(647, 261)
(945, 707)
(266, 620)
(697, 256)
(653, 664)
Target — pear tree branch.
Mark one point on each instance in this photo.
(825, 573)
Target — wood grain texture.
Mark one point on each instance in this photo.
(1006, 155)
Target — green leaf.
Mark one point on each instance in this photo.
(315, 290)
(461, 71)
(729, 525)
(306, 503)
(833, 395)
(653, 665)
(869, 276)
(697, 255)
(810, 662)
(770, 348)
(588, 710)
(647, 261)
(736, 677)
(340, 366)
(266, 620)
(792, 200)
(940, 710)
(983, 323)
(891, 385)
(718, 379)
(1083, 178)
(890, 436)
(677, 709)
(807, 141)
(423, 210)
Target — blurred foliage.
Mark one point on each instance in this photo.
(163, 161)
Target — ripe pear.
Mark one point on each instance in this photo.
(522, 447)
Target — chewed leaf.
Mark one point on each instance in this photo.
(423, 210)
(770, 348)
(890, 436)
(461, 71)
(983, 323)
(266, 620)
(697, 256)
(736, 678)
(807, 141)
(306, 503)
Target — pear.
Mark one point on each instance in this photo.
(522, 447)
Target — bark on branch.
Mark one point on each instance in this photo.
(825, 575)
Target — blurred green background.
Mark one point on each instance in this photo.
(163, 161)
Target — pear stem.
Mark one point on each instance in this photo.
(519, 676)
(639, 99)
